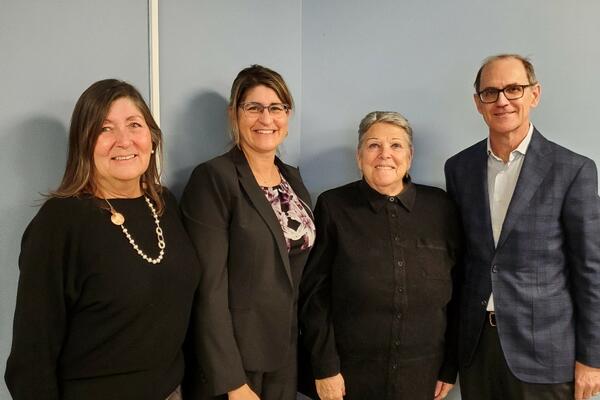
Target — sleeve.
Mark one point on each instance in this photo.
(206, 210)
(315, 297)
(449, 182)
(581, 222)
(40, 319)
(449, 369)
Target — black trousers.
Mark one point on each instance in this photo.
(273, 385)
(489, 378)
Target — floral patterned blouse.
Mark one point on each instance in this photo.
(296, 223)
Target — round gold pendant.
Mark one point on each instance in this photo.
(117, 218)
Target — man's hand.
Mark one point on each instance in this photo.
(242, 393)
(442, 389)
(587, 381)
(331, 388)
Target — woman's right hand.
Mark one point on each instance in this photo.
(331, 388)
(242, 393)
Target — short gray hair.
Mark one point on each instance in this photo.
(387, 117)
(524, 60)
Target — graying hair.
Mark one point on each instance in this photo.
(524, 60)
(387, 117)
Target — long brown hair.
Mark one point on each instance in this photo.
(86, 125)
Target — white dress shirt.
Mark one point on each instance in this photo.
(502, 179)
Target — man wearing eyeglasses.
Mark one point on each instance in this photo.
(530, 292)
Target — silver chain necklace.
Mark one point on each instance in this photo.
(118, 219)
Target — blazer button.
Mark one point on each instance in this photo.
(494, 269)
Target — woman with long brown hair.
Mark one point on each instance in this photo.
(107, 274)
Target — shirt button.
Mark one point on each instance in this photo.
(483, 302)
(393, 215)
(494, 269)
(397, 238)
(400, 263)
(399, 290)
(394, 366)
(399, 316)
(397, 343)
(391, 199)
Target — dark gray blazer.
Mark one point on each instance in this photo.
(545, 270)
(244, 317)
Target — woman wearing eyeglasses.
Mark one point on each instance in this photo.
(249, 217)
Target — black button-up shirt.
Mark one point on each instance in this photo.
(378, 281)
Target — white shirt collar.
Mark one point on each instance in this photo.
(521, 148)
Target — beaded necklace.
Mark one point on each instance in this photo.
(118, 219)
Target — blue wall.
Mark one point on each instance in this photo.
(341, 58)
(420, 58)
(203, 45)
(49, 53)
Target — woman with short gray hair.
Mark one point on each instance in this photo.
(378, 284)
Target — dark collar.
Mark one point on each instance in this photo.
(291, 174)
(261, 204)
(238, 157)
(406, 198)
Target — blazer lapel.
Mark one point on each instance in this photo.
(292, 175)
(535, 167)
(262, 206)
(477, 171)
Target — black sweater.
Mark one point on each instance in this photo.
(93, 319)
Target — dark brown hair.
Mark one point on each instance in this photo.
(86, 125)
(249, 78)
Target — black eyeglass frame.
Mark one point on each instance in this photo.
(498, 91)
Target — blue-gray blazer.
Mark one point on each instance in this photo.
(545, 270)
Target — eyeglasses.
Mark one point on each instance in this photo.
(276, 110)
(511, 92)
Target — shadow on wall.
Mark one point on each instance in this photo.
(428, 159)
(202, 133)
(33, 165)
(329, 169)
(37, 158)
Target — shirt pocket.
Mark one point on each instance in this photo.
(434, 259)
